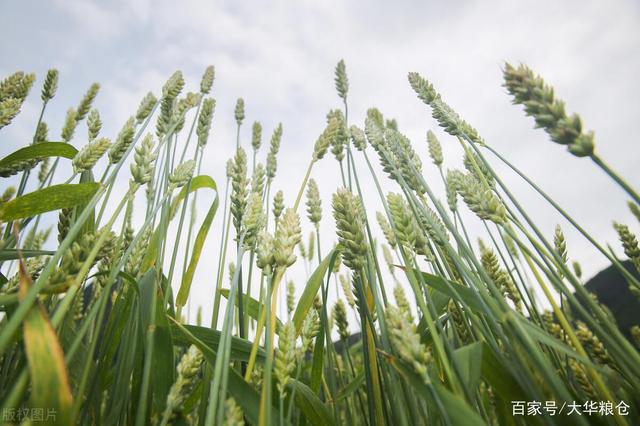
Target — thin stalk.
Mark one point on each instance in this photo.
(613, 175)
(304, 184)
(564, 214)
(221, 258)
(217, 391)
(271, 305)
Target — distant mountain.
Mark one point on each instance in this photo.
(612, 290)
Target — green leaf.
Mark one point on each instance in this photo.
(48, 199)
(311, 289)
(244, 394)
(318, 359)
(500, 379)
(313, 409)
(185, 335)
(38, 152)
(464, 294)
(89, 226)
(12, 254)
(458, 411)
(251, 307)
(147, 286)
(351, 387)
(541, 336)
(248, 398)
(467, 358)
(454, 407)
(125, 338)
(162, 363)
(47, 369)
(187, 279)
(196, 183)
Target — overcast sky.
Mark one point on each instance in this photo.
(279, 56)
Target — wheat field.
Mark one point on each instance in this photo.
(402, 317)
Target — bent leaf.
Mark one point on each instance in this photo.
(467, 359)
(351, 387)
(55, 197)
(196, 183)
(464, 294)
(47, 369)
(454, 407)
(251, 306)
(13, 254)
(500, 379)
(187, 279)
(38, 152)
(311, 289)
(185, 335)
(313, 409)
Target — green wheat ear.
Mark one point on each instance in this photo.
(560, 244)
(347, 291)
(482, 201)
(311, 248)
(239, 111)
(204, 121)
(358, 137)
(187, 370)
(278, 204)
(50, 85)
(182, 174)
(258, 179)
(145, 107)
(287, 237)
(264, 252)
(144, 157)
(207, 80)
(314, 203)
(89, 155)
(253, 220)
(406, 341)
(70, 124)
(310, 329)
(328, 135)
(435, 149)
(239, 185)
(291, 297)
(122, 142)
(256, 135)
(274, 147)
(349, 219)
(233, 415)
(539, 102)
(387, 230)
(9, 109)
(286, 356)
(94, 124)
(341, 80)
(340, 317)
(629, 243)
(340, 138)
(85, 103)
(446, 117)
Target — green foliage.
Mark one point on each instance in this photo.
(93, 322)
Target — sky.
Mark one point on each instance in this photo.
(280, 56)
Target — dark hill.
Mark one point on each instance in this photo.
(612, 291)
